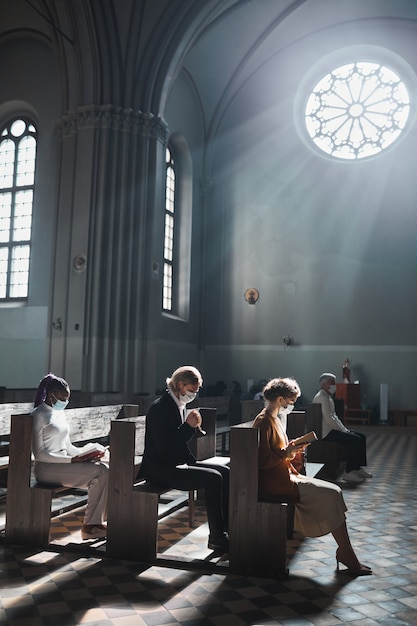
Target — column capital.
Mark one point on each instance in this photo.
(114, 118)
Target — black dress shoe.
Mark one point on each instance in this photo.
(219, 543)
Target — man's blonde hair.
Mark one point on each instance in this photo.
(186, 374)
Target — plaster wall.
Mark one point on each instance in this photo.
(31, 90)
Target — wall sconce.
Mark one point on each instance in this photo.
(57, 323)
(79, 262)
(251, 295)
(288, 341)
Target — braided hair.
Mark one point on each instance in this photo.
(49, 383)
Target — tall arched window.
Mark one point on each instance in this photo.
(177, 231)
(169, 235)
(17, 178)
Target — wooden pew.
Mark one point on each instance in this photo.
(133, 507)
(249, 410)
(28, 504)
(6, 410)
(403, 417)
(257, 528)
(86, 423)
(220, 403)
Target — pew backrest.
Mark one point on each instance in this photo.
(93, 422)
(12, 408)
(85, 423)
(28, 506)
(296, 424)
(258, 530)
(250, 409)
(314, 418)
(132, 521)
(130, 431)
(220, 403)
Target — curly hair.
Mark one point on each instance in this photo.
(285, 387)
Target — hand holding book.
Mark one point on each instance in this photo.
(304, 440)
(89, 452)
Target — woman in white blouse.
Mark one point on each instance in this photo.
(58, 462)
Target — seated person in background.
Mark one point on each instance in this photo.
(235, 404)
(168, 462)
(319, 505)
(334, 430)
(58, 462)
(257, 389)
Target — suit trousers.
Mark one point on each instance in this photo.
(356, 445)
(214, 479)
(93, 476)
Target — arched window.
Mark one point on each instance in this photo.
(169, 234)
(17, 177)
(177, 230)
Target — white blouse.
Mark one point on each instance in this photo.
(50, 436)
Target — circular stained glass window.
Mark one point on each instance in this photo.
(357, 110)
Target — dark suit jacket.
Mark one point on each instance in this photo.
(166, 438)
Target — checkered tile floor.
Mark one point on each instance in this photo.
(64, 586)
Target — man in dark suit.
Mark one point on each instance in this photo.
(168, 462)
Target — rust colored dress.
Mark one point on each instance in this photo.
(319, 505)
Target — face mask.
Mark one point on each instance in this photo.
(286, 410)
(60, 405)
(187, 397)
(332, 389)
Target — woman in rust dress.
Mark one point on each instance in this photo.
(319, 505)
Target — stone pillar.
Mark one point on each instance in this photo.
(109, 234)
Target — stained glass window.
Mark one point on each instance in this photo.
(357, 110)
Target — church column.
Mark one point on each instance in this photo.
(110, 219)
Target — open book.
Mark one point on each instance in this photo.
(91, 447)
(308, 438)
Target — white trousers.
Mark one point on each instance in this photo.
(93, 476)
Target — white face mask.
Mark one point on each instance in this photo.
(286, 410)
(60, 405)
(187, 397)
(332, 389)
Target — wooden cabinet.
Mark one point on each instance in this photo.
(350, 394)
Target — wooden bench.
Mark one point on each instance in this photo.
(220, 403)
(403, 417)
(357, 416)
(330, 453)
(134, 507)
(28, 504)
(257, 528)
(250, 409)
(86, 423)
(6, 410)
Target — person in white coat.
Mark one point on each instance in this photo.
(334, 430)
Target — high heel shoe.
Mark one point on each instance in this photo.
(362, 570)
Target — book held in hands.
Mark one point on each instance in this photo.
(305, 439)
